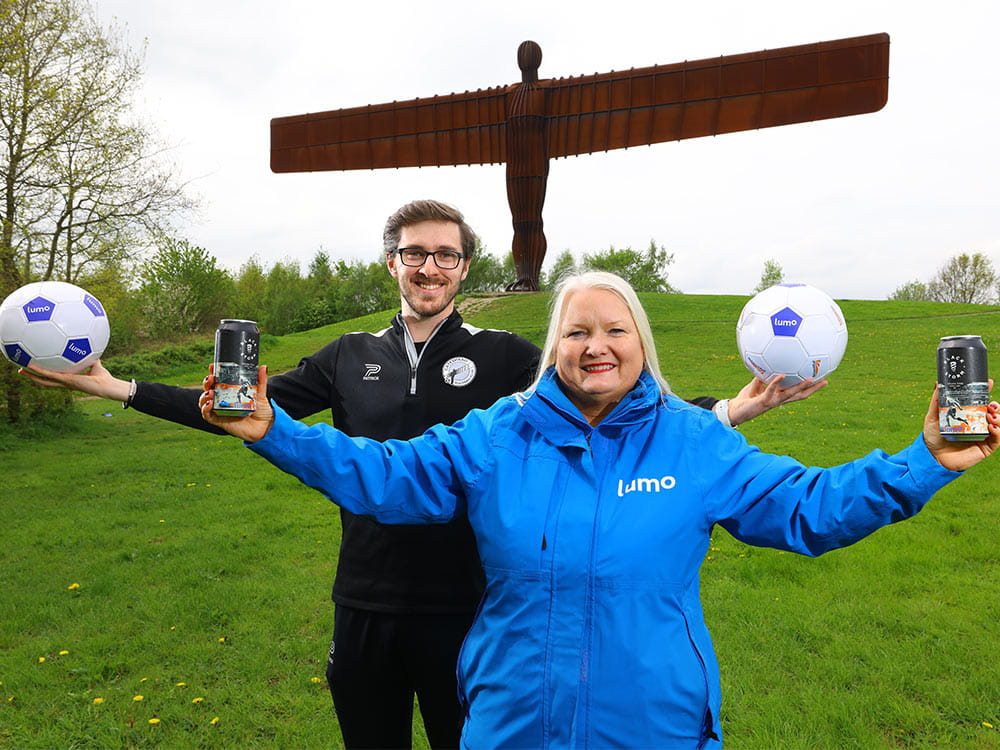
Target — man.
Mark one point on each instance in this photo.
(405, 595)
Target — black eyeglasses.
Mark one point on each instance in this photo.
(416, 256)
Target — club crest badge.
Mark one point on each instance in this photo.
(459, 371)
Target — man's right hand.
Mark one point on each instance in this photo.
(96, 381)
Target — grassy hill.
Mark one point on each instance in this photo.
(139, 558)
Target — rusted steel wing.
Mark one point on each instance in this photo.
(599, 112)
(721, 95)
(437, 131)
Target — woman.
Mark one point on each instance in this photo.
(592, 496)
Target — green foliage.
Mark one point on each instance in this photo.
(646, 272)
(182, 290)
(965, 278)
(285, 297)
(313, 314)
(251, 291)
(178, 539)
(565, 265)
(488, 273)
(772, 274)
(155, 364)
(362, 288)
(912, 291)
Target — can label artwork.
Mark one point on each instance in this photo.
(963, 388)
(237, 343)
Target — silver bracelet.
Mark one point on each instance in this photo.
(131, 395)
(721, 410)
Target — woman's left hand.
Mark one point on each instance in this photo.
(955, 454)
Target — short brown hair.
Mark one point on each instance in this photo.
(415, 212)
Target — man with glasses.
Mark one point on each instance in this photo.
(405, 595)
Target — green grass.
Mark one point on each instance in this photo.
(155, 555)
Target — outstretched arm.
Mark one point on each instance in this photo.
(96, 381)
(757, 397)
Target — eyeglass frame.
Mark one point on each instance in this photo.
(430, 254)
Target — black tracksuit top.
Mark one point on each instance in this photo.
(371, 389)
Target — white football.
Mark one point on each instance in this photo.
(793, 329)
(53, 324)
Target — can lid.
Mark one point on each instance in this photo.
(966, 337)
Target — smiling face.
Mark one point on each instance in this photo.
(427, 292)
(599, 355)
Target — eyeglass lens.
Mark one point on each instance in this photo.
(446, 259)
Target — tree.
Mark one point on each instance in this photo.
(646, 272)
(363, 288)
(81, 185)
(771, 275)
(183, 290)
(320, 274)
(911, 291)
(251, 290)
(565, 265)
(487, 272)
(965, 278)
(286, 295)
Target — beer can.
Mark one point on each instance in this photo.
(237, 344)
(963, 388)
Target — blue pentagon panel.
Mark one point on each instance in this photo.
(38, 309)
(785, 322)
(16, 354)
(93, 305)
(77, 349)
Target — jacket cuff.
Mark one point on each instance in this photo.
(927, 473)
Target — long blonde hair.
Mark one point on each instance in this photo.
(612, 283)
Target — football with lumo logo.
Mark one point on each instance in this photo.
(793, 329)
(53, 324)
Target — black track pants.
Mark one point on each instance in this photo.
(378, 662)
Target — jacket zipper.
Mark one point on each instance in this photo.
(411, 351)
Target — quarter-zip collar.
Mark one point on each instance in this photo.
(410, 347)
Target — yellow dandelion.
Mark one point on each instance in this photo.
(137, 698)
(41, 659)
(208, 485)
(154, 721)
(181, 684)
(316, 680)
(222, 639)
(214, 721)
(143, 679)
(63, 653)
(73, 586)
(987, 725)
(173, 627)
(162, 521)
(197, 700)
(98, 701)
(190, 484)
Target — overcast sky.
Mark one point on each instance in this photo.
(857, 206)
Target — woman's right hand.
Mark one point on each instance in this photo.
(250, 428)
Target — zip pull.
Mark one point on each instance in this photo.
(545, 544)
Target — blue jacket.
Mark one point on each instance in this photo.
(591, 633)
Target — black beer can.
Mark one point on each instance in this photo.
(963, 388)
(237, 343)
